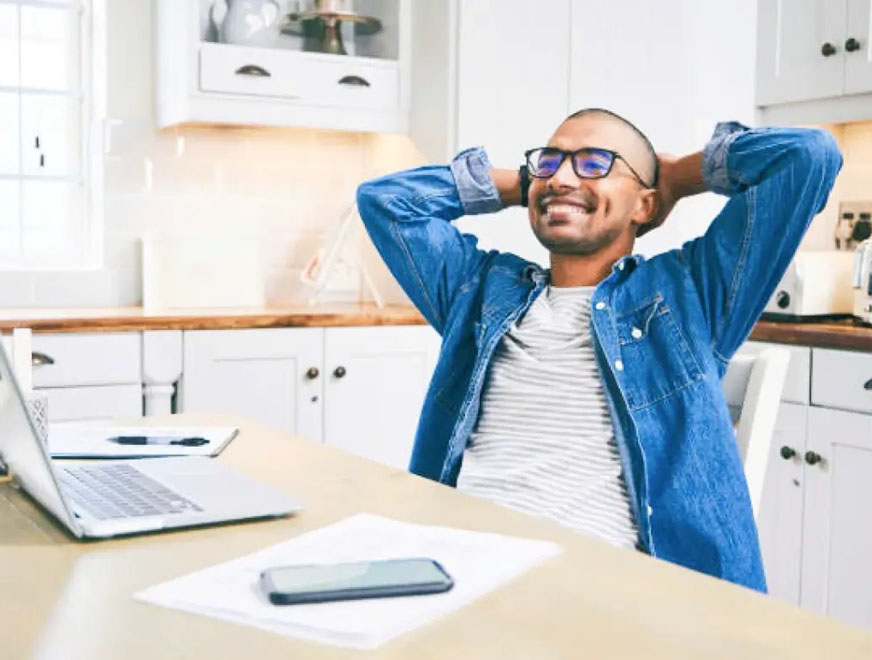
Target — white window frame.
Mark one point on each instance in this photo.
(92, 75)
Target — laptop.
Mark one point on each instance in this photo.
(105, 498)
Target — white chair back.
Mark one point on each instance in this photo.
(752, 387)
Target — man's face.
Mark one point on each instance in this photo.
(571, 215)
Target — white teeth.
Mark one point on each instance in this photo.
(565, 208)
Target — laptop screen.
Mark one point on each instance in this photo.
(23, 452)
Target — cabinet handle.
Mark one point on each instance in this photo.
(868, 384)
(355, 81)
(851, 45)
(787, 452)
(252, 70)
(812, 458)
(38, 359)
(339, 372)
(828, 49)
(312, 373)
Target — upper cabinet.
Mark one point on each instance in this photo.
(814, 60)
(341, 64)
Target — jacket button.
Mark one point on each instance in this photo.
(636, 333)
(619, 365)
(650, 510)
(600, 305)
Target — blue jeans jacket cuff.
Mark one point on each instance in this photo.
(715, 170)
(476, 189)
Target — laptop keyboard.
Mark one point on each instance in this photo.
(119, 491)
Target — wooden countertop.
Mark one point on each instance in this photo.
(72, 600)
(116, 319)
(834, 334)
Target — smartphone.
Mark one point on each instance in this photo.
(319, 583)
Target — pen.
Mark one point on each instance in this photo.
(157, 440)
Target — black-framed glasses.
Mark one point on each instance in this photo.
(587, 163)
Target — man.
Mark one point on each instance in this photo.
(590, 393)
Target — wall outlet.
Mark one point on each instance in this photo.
(853, 225)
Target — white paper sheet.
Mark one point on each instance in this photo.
(477, 561)
(88, 440)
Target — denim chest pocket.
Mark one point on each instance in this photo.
(657, 359)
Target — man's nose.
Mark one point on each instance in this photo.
(565, 176)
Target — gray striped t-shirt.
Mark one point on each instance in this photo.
(544, 442)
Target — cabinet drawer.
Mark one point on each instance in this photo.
(797, 383)
(314, 79)
(359, 85)
(255, 71)
(100, 358)
(839, 379)
(99, 402)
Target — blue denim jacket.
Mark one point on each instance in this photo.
(695, 306)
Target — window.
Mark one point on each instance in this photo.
(49, 167)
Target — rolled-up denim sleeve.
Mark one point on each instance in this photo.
(714, 158)
(408, 216)
(475, 187)
(778, 179)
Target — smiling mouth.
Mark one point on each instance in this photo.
(561, 212)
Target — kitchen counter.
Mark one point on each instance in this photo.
(117, 319)
(835, 334)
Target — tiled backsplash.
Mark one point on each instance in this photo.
(289, 187)
(853, 183)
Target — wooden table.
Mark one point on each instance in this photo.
(69, 600)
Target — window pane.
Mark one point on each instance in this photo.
(9, 153)
(53, 220)
(49, 48)
(9, 207)
(8, 45)
(50, 135)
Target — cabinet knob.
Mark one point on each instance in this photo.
(851, 45)
(782, 299)
(354, 81)
(38, 359)
(339, 372)
(312, 373)
(787, 452)
(828, 49)
(868, 384)
(813, 458)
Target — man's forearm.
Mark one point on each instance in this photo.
(508, 184)
(683, 175)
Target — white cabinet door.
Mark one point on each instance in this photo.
(837, 530)
(93, 402)
(376, 380)
(512, 75)
(792, 40)
(858, 48)
(780, 518)
(272, 376)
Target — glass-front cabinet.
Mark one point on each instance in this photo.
(323, 63)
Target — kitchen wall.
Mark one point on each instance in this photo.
(854, 182)
(291, 187)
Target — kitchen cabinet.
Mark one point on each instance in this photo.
(815, 530)
(202, 80)
(814, 61)
(89, 376)
(272, 376)
(375, 382)
(358, 388)
(837, 538)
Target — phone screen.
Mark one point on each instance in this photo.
(388, 577)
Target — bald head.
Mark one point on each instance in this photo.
(621, 135)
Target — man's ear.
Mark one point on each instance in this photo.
(645, 214)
